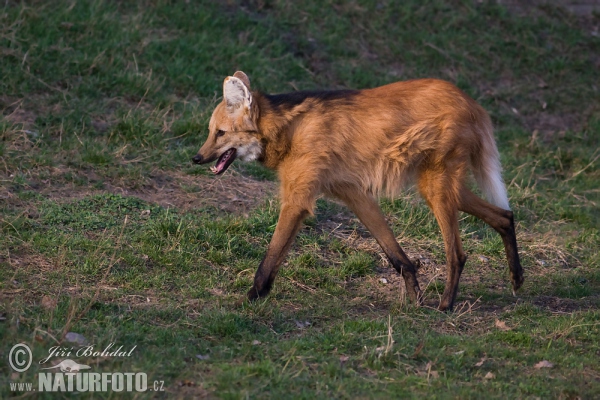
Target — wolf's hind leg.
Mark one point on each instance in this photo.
(437, 187)
(367, 210)
(502, 221)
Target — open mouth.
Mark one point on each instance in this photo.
(224, 161)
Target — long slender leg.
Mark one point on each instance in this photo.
(503, 222)
(447, 219)
(436, 189)
(290, 219)
(299, 187)
(367, 210)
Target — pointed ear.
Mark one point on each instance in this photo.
(242, 77)
(236, 94)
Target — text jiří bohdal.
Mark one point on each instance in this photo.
(88, 351)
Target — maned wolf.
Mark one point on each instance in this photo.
(356, 145)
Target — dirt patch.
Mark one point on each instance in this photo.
(231, 192)
(17, 115)
(548, 127)
(31, 261)
(23, 112)
(565, 306)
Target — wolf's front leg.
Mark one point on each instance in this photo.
(290, 219)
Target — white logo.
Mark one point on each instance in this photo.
(68, 376)
(20, 357)
(69, 366)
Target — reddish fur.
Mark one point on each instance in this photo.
(366, 144)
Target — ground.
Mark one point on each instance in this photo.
(111, 235)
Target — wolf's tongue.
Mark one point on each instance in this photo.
(224, 161)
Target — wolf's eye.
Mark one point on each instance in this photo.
(220, 133)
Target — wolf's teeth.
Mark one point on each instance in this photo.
(213, 169)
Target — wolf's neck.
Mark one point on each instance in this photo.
(276, 129)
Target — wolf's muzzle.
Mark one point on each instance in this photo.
(197, 159)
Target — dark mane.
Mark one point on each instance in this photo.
(289, 100)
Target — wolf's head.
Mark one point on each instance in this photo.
(233, 130)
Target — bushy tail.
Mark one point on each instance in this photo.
(488, 171)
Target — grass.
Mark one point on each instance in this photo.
(107, 230)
